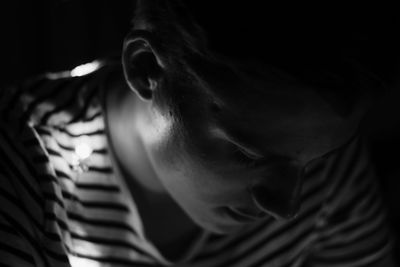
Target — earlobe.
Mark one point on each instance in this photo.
(142, 67)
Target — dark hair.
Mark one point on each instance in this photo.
(322, 48)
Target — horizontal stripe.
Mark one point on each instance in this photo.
(16, 173)
(100, 222)
(74, 85)
(17, 252)
(101, 151)
(291, 245)
(114, 260)
(110, 242)
(88, 101)
(305, 215)
(26, 235)
(98, 187)
(47, 93)
(90, 133)
(42, 131)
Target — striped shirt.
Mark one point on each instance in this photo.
(63, 203)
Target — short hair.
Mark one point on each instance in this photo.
(320, 49)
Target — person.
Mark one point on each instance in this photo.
(221, 140)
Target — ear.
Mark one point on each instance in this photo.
(142, 67)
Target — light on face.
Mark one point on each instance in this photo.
(85, 69)
(155, 129)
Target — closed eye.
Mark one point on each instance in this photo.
(246, 158)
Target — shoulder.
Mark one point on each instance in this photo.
(56, 98)
(353, 228)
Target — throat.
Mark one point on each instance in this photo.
(166, 225)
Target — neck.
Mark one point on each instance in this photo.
(124, 110)
(157, 209)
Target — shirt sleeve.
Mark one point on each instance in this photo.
(19, 244)
(21, 204)
(353, 229)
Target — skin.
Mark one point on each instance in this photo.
(235, 151)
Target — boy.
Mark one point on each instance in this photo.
(206, 149)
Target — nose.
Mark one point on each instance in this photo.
(279, 197)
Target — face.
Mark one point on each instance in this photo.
(235, 149)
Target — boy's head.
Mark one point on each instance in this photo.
(240, 98)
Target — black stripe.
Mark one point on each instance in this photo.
(318, 188)
(97, 240)
(362, 235)
(61, 174)
(101, 222)
(55, 86)
(15, 171)
(69, 195)
(17, 253)
(41, 131)
(51, 236)
(95, 151)
(18, 204)
(294, 261)
(53, 152)
(101, 169)
(52, 197)
(237, 241)
(348, 163)
(27, 236)
(303, 217)
(98, 187)
(343, 211)
(87, 101)
(69, 102)
(113, 260)
(104, 205)
(51, 216)
(23, 156)
(357, 255)
(91, 133)
(93, 117)
(299, 221)
(351, 227)
(110, 243)
(214, 238)
(7, 229)
(95, 204)
(54, 237)
(64, 226)
(59, 257)
(290, 246)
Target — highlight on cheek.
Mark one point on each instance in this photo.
(156, 128)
